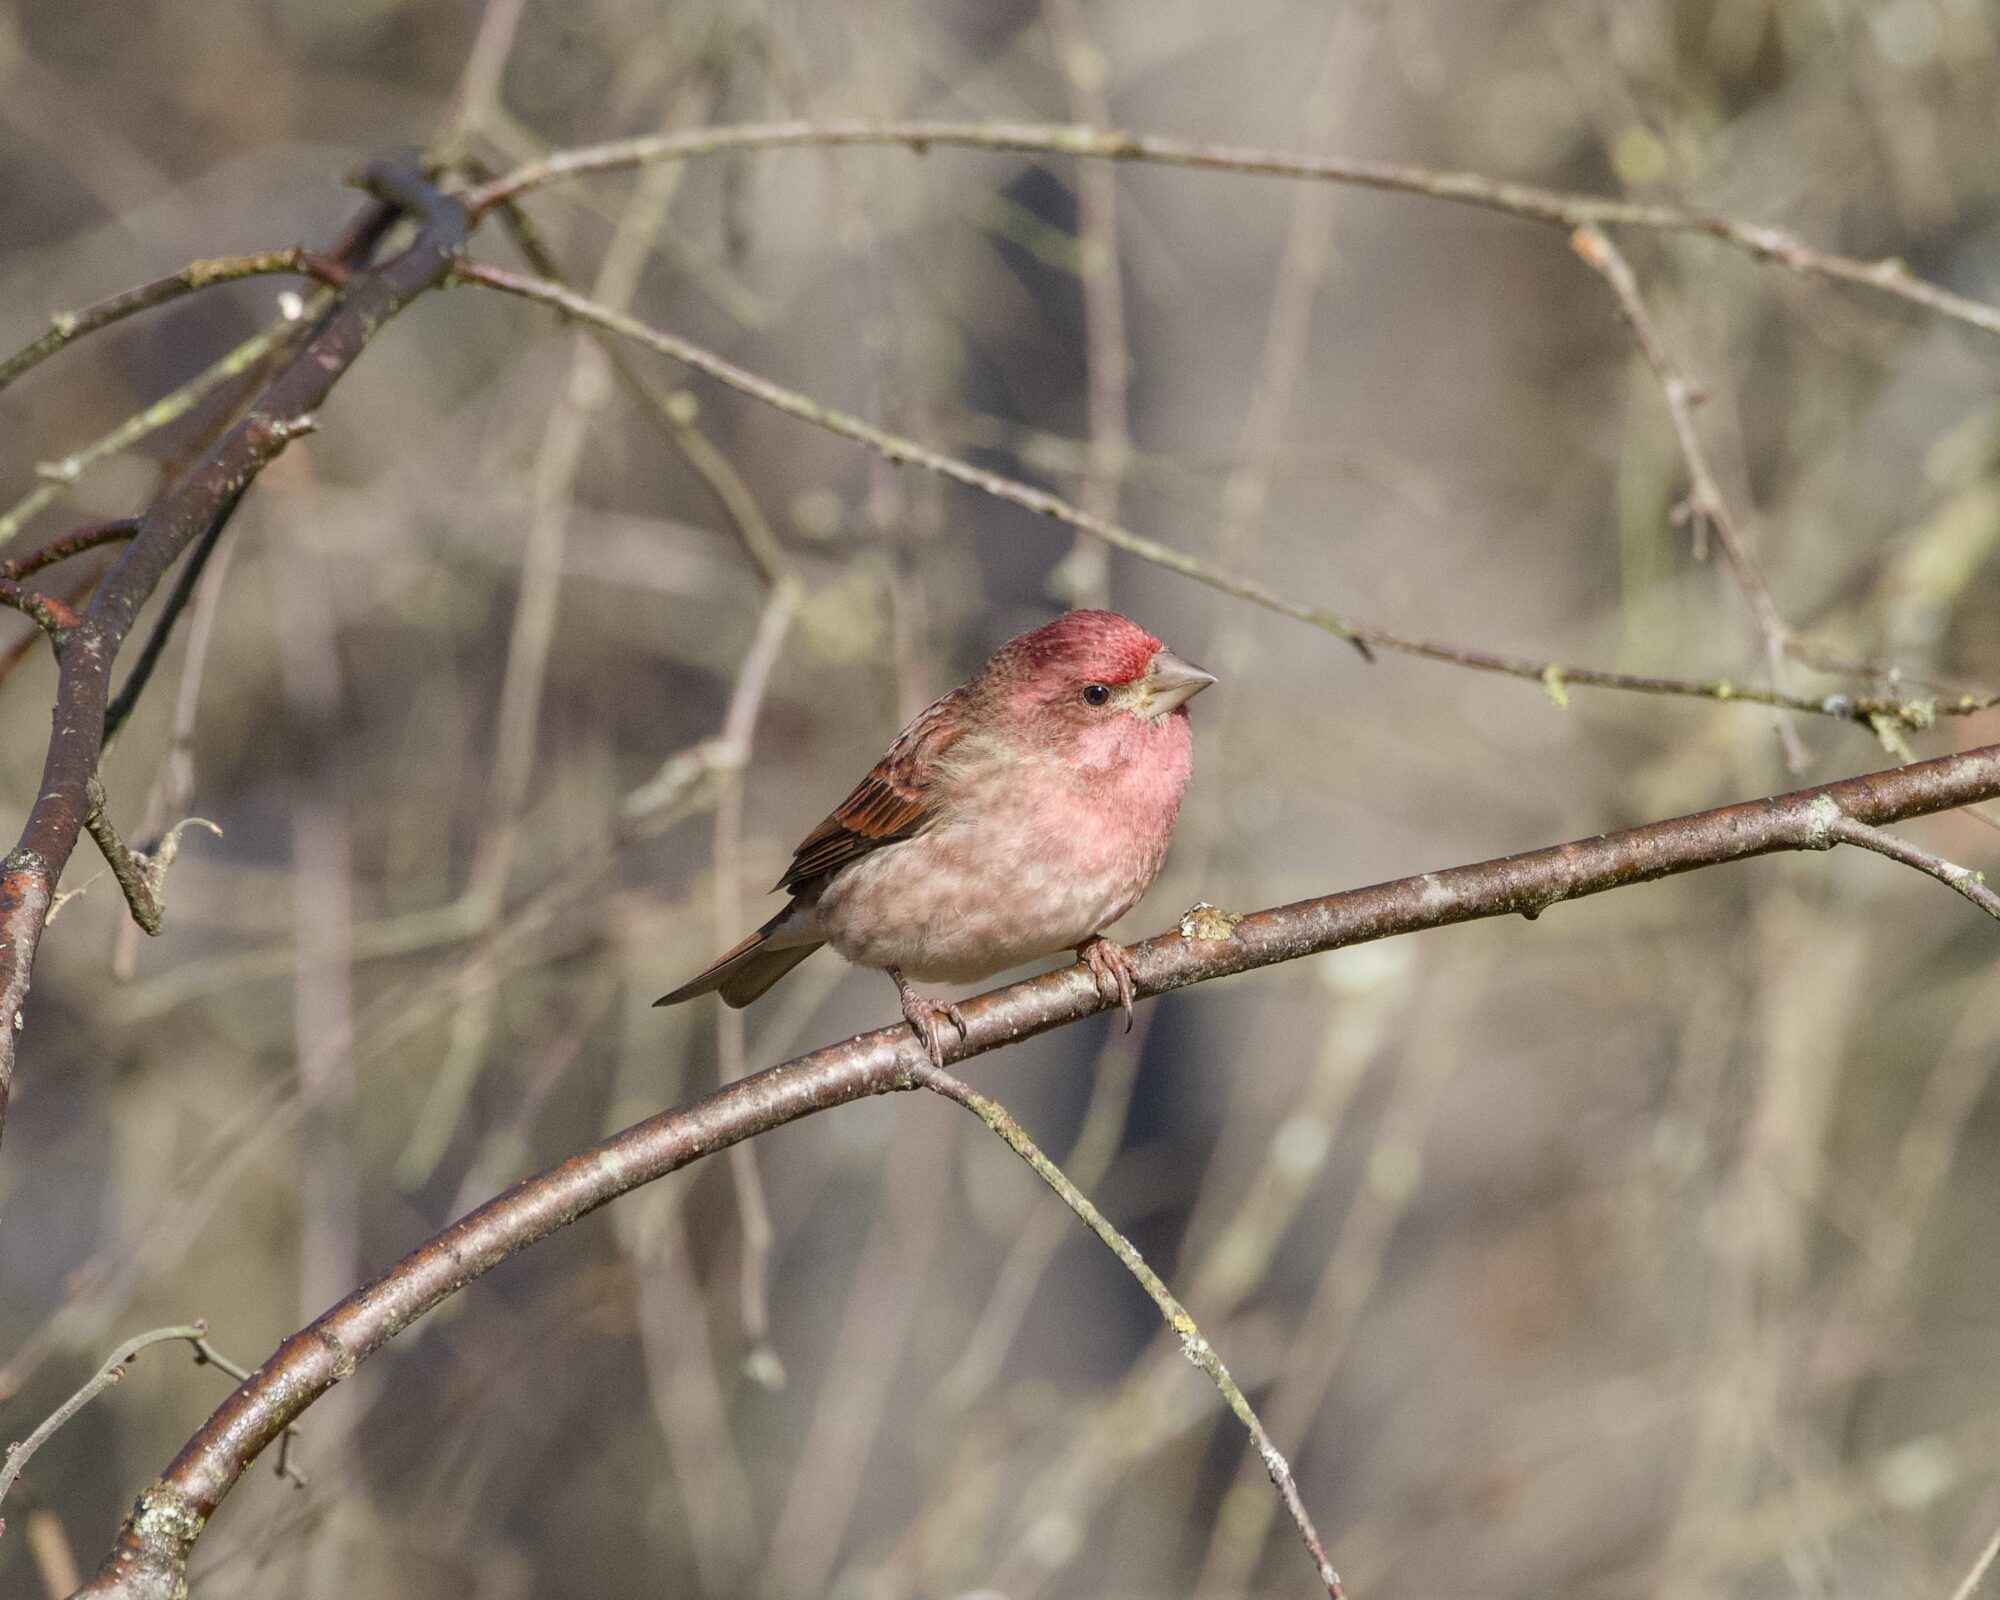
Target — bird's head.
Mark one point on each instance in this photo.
(1095, 678)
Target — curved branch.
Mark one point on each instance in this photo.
(66, 327)
(1528, 201)
(151, 1555)
(18, 1456)
(75, 543)
(1961, 880)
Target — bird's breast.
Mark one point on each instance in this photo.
(1025, 861)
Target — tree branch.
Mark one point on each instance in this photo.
(1707, 509)
(59, 477)
(113, 1369)
(50, 614)
(151, 1555)
(181, 516)
(1557, 678)
(1972, 885)
(1527, 201)
(66, 327)
(93, 537)
(1196, 1348)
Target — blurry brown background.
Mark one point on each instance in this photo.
(1645, 1250)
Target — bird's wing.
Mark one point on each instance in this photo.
(895, 801)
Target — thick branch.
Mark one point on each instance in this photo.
(1569, 211)
(170, 525)
(151, 1556)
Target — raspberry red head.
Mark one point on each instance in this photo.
(1080, 647)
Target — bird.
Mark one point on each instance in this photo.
(1017, 816)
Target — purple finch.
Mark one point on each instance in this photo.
(1020, 815)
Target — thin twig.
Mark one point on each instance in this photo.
(1083, 577)
(476, 100)
(59, 477)
(1707, 508)
(1099, 1135)
(127, 698)
(1967, 882)
(1197, 1349)
(1970, 1585)
(137, 877)
(205, 1354)
(1240, 1226)
(141, 875)
(113, 1369)
(1557, 678)
(739, 725)
(66, 327)
(681, 414)
(1570, 211)
(94, 536)
(677, 412)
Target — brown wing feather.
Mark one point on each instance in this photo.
(893, 802)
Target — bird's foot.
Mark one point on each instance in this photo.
(1111, 963)
(928, 1019)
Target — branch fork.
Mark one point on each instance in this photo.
(141, 875)
(1829, 826)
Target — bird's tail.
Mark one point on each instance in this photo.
(744, 973)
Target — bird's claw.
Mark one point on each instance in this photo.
(927, 1019)
(1109, 962)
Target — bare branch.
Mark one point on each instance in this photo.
(1555, 677)
(1196, 1348)
(59, 477)
(151, 1555)
(49, 614)
(477, 98)
(1707, 508)
(677, 412)
(105, 1376)
(1082, 578)
(1970, 1585)
(66, 327)
(141, 875)
(1965, 881)
(135, 875)
(93, 537)
(177, 520)
(1527, 201)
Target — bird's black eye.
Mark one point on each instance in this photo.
(1095, 694)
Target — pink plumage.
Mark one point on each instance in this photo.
(1018, 816)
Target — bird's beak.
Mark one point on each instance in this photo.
(1169, 682)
